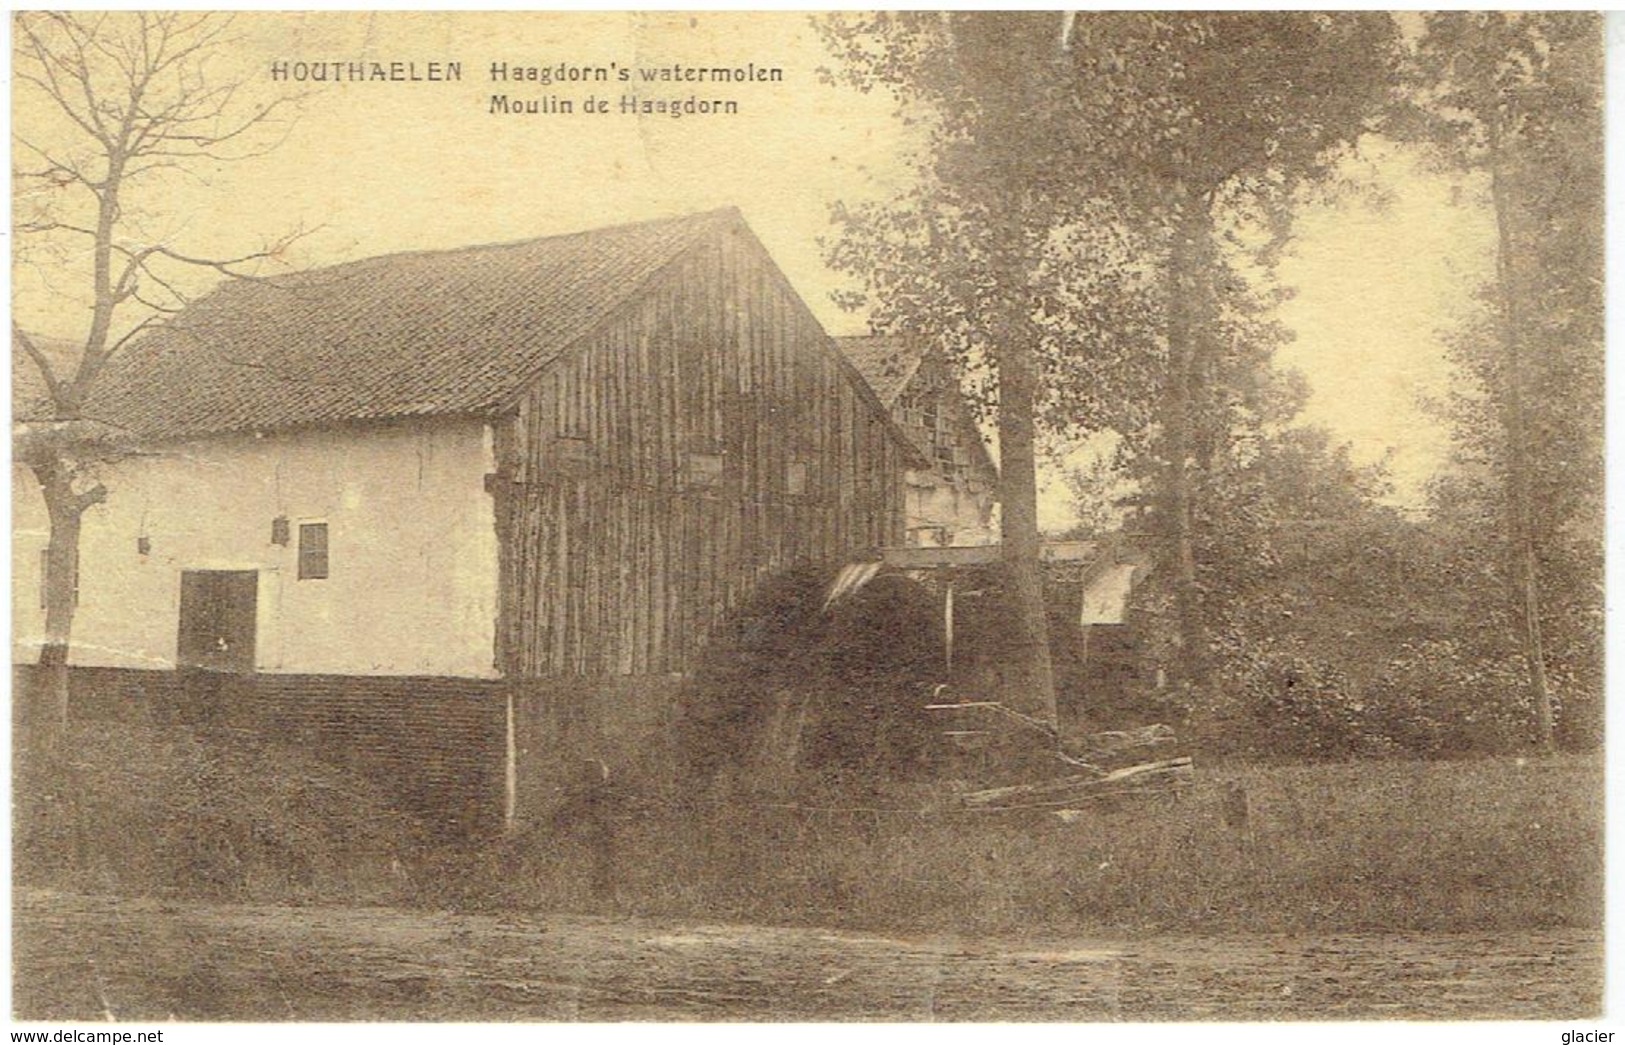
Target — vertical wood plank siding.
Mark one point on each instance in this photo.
(613, 560)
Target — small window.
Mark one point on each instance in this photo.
(703, 471)
(312, 551)
(279, 530)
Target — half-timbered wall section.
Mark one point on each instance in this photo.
(705, 436)
(951, 500)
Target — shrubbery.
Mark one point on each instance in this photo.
(1437, 699)
(1276, 698)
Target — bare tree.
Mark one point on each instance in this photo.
(107, 103)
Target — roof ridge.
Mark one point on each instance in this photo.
(394, 335)
(694, 217)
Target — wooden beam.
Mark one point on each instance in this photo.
(911, 558)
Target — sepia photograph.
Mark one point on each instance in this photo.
(1017, 517)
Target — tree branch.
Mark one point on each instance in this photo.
(136, 86)
(226, 266)
(51, 86)
(78, 70)
(54, 226)
(48, 372)
(84, 500)
(131, 333)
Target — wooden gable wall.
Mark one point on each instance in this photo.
(620, 545)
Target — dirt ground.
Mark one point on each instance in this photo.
(86, 958)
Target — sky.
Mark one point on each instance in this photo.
(1378, 288)
(371, 168)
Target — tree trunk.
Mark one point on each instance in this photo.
(999, 54)
(1179, 408)
(1028, 681)
(1519, 495)
(65, 509)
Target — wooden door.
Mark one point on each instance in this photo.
(217, 620)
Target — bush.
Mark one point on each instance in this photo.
(789, 688)
(1275, 700)
(1435, 698)
(1430, 697)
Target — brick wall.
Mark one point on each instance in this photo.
(436, 744)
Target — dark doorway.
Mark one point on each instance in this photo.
(218, 610)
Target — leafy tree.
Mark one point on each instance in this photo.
(1084, 184)
(996, 256)
(1514, 100)
(107, 105)
(1103, 493)
(1235, 113)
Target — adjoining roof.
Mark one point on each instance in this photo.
(887, 362)
(404, 335)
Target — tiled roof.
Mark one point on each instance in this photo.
(435, 332)
(887, 363)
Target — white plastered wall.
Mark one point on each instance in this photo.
(412, 584)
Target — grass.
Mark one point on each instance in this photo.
(1375, 846)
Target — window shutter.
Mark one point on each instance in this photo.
(312, 551)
